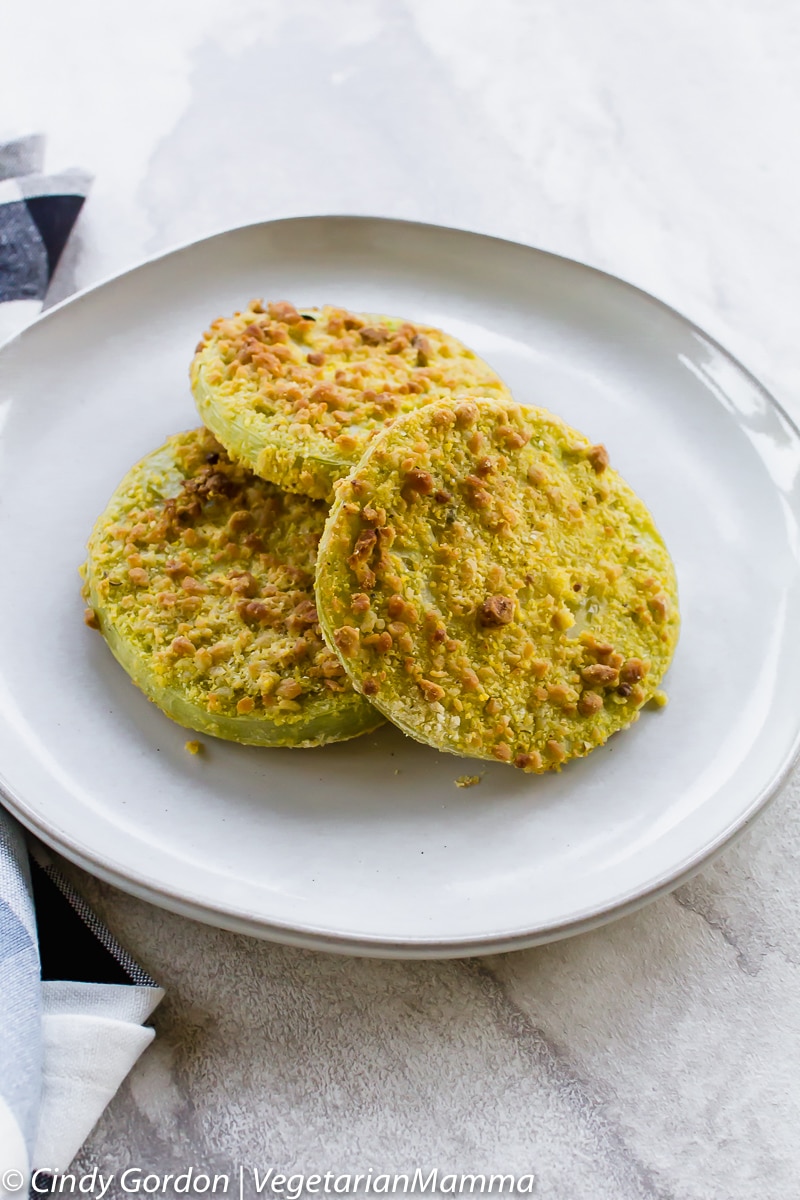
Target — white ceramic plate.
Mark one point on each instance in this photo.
(369, 846)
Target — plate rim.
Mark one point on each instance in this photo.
(312, 937)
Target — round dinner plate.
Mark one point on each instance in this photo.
(369, 846)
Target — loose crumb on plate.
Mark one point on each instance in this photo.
(659, 699)
(467, 780)
(194, 747)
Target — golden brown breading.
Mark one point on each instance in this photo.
(494, 587)
(200, 576)
(297, 396)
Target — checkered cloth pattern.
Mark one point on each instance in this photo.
(37, 213)
(72, 1002)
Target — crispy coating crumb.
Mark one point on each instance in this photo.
(297, 396)
(194, 747)
(526, 618)
(465, 781)
(201, 576)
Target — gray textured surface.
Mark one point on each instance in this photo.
(657, 1057)
(654, 1058)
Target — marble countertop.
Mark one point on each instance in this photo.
(657, 1057)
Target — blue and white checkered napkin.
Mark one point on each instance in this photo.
(72, 1002)
(37, 213)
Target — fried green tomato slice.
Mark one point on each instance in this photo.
(494, 587)
(298, 396)
(200, 576)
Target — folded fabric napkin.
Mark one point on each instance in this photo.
(72, 1002)
(37, 213)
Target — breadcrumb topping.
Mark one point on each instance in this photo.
(495, 587)
(205, 574)
(298, 395)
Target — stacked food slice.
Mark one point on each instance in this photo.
(494, 587)
(201, 577)
(484, 579)
(298, 396)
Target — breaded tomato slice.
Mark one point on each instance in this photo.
(297, 396)
(494, 587)
(200, 577)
